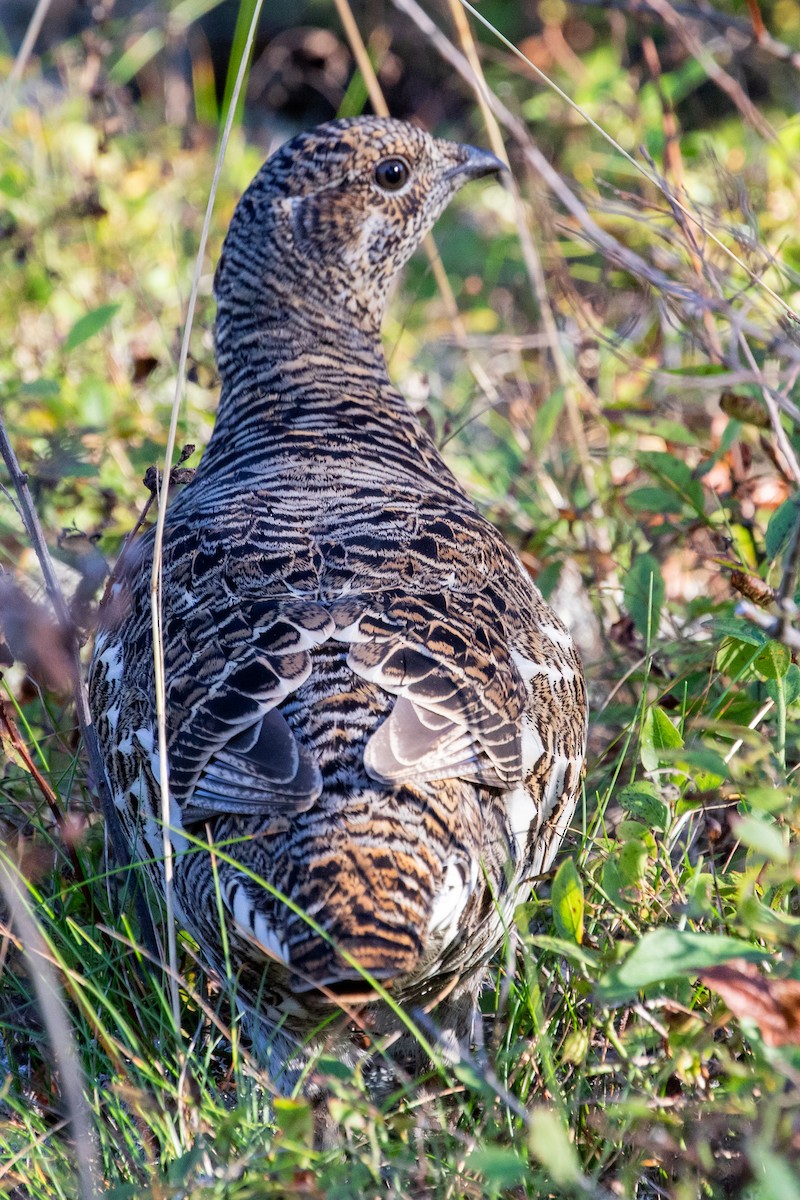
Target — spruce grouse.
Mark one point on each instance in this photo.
(371, 709)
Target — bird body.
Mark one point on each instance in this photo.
(371, 710)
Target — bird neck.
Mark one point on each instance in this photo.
(286, 377)
(253, 338)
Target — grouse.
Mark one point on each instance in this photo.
(372, 714)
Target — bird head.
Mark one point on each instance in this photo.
(334, 214)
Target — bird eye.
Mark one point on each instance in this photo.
(392, 174)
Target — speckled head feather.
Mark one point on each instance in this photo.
(369, 704)
(357, 195)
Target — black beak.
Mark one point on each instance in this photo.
(475, 164)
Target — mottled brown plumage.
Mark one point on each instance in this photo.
(369, 703)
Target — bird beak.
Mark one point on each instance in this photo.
(475, 163)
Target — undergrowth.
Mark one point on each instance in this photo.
(642, 1037)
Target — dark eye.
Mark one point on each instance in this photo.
(392, 174)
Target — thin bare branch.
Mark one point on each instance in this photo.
(23, 54)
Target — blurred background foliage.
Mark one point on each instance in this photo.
(618, 389)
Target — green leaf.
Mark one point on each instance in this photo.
(643, 591)
(294, 1119)
(768, 799)
(743, 631)
(791, 685)
(736, 659)
(578, 954)
(632, 861)
(88, 325)
(549, 1142)
(773, 661)
(668, 953)
(654, 500)
(658, 734)
(781, 526)
(764, 837)
(567, 901)
(546, 419)
(500, 1167)
(706, 767)
(613, 883)
(643, 801)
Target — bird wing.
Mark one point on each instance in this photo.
(230, 749)
(460, 701)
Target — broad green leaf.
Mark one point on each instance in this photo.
(549, 1142)
(737, 659)
(632, 862)
(764, 837)
(643, 801)
(567, 900)
(668, 467)
(781, 526)
(739, 628)
(654, 500)
(773, 660)
(658, 734)
(544, 424)
(767, 799)
(88, 325)
(294, 1119)
(500, 1167)
(643, 591)
(706, 767)
(578, 954)
(791, 685)
(669, 953)
(613, 883)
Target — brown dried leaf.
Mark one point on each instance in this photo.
(772, 1004)
(33, 637)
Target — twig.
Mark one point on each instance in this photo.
(23, 54)
(51, 799)
(34, 530)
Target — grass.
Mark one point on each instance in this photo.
(641, 1037)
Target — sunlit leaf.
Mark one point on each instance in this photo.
(643, 591)
(643, 800)
(667, 953)
(781, 526)
(567, 901)
(549, 1142)
(88, 325)
(658, 734)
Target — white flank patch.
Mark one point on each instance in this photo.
(450, 902)
(531, 745)
(522, 814)
(113, 662)
(555, 785)
(267, 937)
(527, 669)
(559, 636)
(254, 925)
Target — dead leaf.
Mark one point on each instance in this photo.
(772, 1004)
(32, 636)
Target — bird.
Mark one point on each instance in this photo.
(375, 724)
